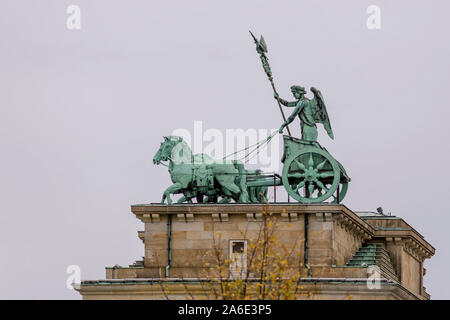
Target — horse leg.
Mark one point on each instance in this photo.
(253, 197)
(262, 194)
(243, 189)
(199, 198)
(231, 189)
(226, 195)
(171, 190)
(211, 198)
(225, 199)
(244, 197)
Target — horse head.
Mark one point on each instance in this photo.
(165, 150)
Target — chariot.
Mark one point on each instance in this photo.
(309, 175)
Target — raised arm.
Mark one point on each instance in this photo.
(284, 102)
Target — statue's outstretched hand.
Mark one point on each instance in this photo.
(281, 128)
(276, 96)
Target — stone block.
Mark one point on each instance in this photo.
(188, 226)
(220, 217)
(199, 235)
(192, 244)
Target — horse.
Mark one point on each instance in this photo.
(199, 175)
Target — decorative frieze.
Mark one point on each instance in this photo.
(150, 217)
(289, 216)
(358, 230)
(254, 217)
(185, 217)
(220, 217)
(411, 246)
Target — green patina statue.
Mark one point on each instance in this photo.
(309, 111)
(199, 176)
(310, 174)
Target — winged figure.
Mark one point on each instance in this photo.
(310, 112)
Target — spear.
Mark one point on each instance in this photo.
(261, 48)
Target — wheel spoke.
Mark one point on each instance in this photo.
(299, 164)
(310, 162)
(300, 185)
(325, 174)
(321, 185)
(296, 175)
(320, 165)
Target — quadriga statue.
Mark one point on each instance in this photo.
(201, 177)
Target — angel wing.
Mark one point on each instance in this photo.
(321, 116)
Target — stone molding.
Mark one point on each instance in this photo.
(320, 288)
(411, 246)
(185, 217)
(411, 240)
(362, 231)
(289, 216)
(220, 217)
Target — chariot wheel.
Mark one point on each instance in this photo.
(311, 175)
(343, 186)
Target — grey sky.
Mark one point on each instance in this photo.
(82, 114)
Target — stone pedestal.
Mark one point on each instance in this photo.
(339, 248)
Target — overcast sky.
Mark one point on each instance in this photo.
(82, 112)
